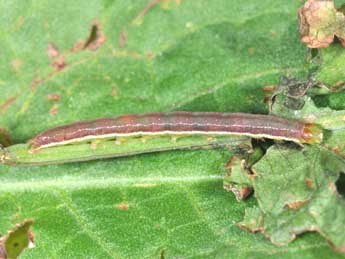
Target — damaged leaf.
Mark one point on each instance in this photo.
(237, 180)
(296, 187)
(239, 173)
(16, 240)
(319, 22)
(296, 193)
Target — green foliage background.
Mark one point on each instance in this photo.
(181, 55)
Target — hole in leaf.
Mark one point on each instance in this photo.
(332, 100)
(93, 35)
(314, 52)
(96, 37)
(264, 144)
(320, 101)
(340, 184)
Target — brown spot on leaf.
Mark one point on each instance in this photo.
(59, 63)
(255, 226)
(310, 183)
(35, 83)
(78, 46)
(7, 103)
(296, 204)
(122, 206)
(150, 55)
(336, 149)
(57, 58)
(269, 91)
(317, 23)
(96, 37)
(240, 192)
(231, 162)
(178, 2)
(339, 83)
(52, 50)
(123, 38)
(53, 110)
(338, 86)
(270, 88)
(145, 10)
(31, 238)
(340, 249)
(53, 97)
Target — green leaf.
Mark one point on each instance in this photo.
(143, 56)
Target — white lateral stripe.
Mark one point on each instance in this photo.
(168, 132)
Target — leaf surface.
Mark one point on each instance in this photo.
(295, 195)
(145, 56)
